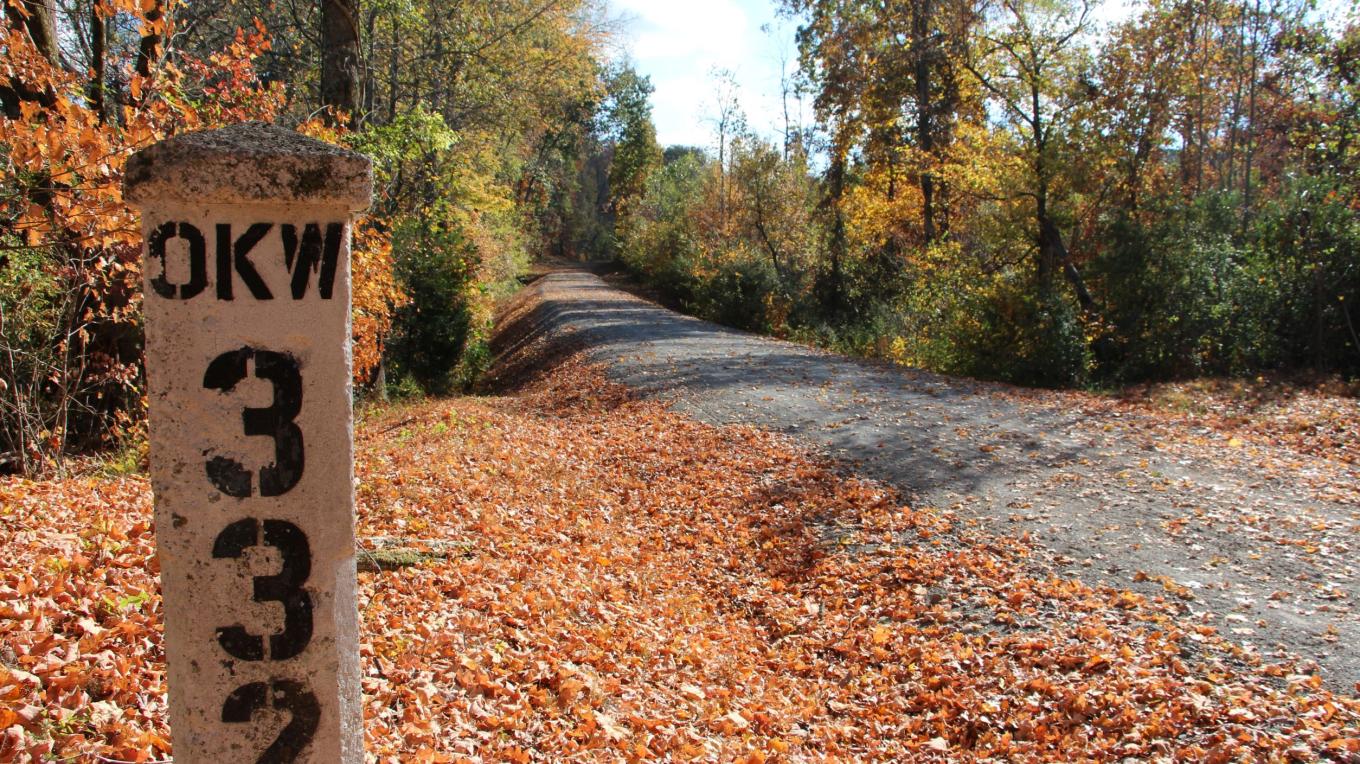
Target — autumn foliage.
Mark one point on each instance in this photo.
(611, 581)
(591, 576)
(1049, 192)
(70, 378)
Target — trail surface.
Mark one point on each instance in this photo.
(1250, 539)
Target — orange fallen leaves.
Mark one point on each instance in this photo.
(81, 667)
(628, 585)
(1271, 425)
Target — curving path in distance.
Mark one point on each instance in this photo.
(1258, 552)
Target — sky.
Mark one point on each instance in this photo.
(679, 43)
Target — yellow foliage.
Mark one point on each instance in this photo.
(886, 205)
(63, 210)
(376, 293)
(375, 289)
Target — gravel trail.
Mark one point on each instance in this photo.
(1263, 554)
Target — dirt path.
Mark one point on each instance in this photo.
(1255, 542)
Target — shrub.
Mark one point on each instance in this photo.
(736, 293)
(435, 265)
(1028, 336)
(1306, 263)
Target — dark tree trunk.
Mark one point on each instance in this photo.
(37, 21)
(340, 59)
(1053, 253)
(760, 203)
(98, 43)
(370, 85)
(832, 287)
(393, 72)
(1250, 132)
(925, 132)
(40, 24)
(149, 48)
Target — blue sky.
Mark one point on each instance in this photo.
(678, 43)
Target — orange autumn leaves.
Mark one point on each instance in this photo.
(694, 593)
(615, 582)
(66, 158)
(81, 667)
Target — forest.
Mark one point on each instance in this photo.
(1001, 189)
(481, 121)
(1094, 498)
(1009, 190)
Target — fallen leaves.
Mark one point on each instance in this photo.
(622, 583)
(733, 598)
(1276, 427)
(81, 667)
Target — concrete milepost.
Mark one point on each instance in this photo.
(247, 304)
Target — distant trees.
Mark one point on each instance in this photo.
(1003, 189)
(626, 123)
(728, 122)
(482, 121)
(889, 75)
(992, 187)
(1030, 63)
(728, 232)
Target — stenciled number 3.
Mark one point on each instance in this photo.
(287, 586)
(276, 421)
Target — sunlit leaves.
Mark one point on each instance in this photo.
(61, 199)
(616, 582)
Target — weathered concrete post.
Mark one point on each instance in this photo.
(247, 305)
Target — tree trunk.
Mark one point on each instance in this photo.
(340, 59)
(149, 48)
(370, 85)
(98, 44)
(925, 134)
(761, 229)
(1053, 252)
(37, 21)
(831, 286)
(1048, 231)
(393, 70)
(1251, 115)
(1229, 181)
(40, 24)
(1045, 254)
(722, 174)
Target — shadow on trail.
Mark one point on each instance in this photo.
(1104, 501)
(733, 376)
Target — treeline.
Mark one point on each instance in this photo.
(484, 120)
(990, 187)
(1001, 188)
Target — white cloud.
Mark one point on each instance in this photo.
(679, 44)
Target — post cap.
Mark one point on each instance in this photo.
(249, 163)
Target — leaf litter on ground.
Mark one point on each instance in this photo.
(620, 583)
